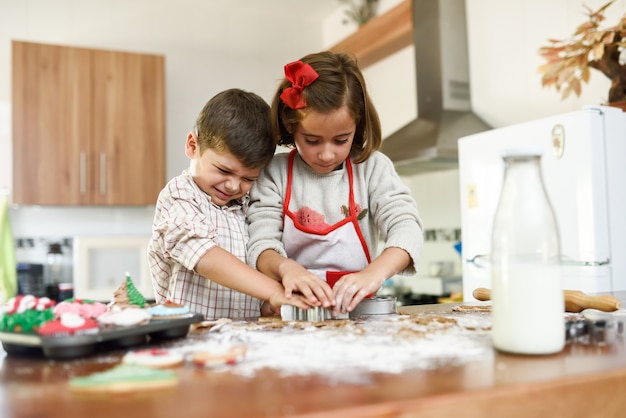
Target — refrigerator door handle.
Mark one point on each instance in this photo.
(483, 261)
(480, 260)
(568, 261)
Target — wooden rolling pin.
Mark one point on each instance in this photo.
(575, 300)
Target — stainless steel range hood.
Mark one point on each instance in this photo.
(429, 142)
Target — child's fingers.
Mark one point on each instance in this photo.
(325, 294)
(299, 301)
(308, 295)
(347, 297)
(356, 299)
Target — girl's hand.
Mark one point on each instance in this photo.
(316, 291)
(353, 287)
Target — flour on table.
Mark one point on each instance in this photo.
(346, 349)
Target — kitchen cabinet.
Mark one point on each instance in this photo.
(88, 126)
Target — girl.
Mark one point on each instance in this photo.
(317, 212)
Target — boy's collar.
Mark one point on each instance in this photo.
(243, 203)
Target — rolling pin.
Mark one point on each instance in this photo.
(575, 300)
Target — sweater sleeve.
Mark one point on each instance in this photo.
(265, 213)
(393, 208)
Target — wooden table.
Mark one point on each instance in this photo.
(582, 381)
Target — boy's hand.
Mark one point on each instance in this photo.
(296, 278)
(278, 299)
(268, 310)
(352, 288)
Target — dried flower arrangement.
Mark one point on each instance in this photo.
(604, 49)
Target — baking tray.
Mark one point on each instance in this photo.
(109, 337)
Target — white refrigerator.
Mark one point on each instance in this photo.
(584, 171)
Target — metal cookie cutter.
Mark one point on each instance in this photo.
(313, 314)
(366, 308)
(379, 305)
(596, 327)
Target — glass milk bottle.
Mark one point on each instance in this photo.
(527, 287)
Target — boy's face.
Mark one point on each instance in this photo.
(219, 174)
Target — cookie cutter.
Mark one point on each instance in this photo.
(596, 327)
(379, 305)
(367, 307)
(313, 314)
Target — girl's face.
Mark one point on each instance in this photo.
(323, 140)
(219, 174)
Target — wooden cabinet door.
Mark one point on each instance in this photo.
(88, 126)
(128, 127)
(51, 130)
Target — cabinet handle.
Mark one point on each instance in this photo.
(82, 179)
(103, 173)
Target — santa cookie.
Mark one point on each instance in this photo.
(69, 324)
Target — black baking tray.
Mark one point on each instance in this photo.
(109, 337)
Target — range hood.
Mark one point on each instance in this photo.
(429, 142)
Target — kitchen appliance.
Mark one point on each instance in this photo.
(101, 264)
(584, 167)
(30, 279)
(440, 90)
(57, 274)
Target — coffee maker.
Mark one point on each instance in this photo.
(30, 279)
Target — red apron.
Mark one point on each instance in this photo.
(327, 252)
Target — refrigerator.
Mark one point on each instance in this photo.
(584, 172)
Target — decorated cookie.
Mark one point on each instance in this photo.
(124, 378)
(25, 313)
(154, 357)
(69, 324)
(168, 310)
(219, 357)
(124, 317)
(81, 307)
(127, 296)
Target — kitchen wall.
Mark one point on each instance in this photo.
(211, 45)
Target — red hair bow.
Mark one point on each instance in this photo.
(300, 75)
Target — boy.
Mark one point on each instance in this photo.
(199, 234)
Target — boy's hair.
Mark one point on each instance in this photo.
(340, 83)
(238, 122)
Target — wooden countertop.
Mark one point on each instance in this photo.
(581, 381)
